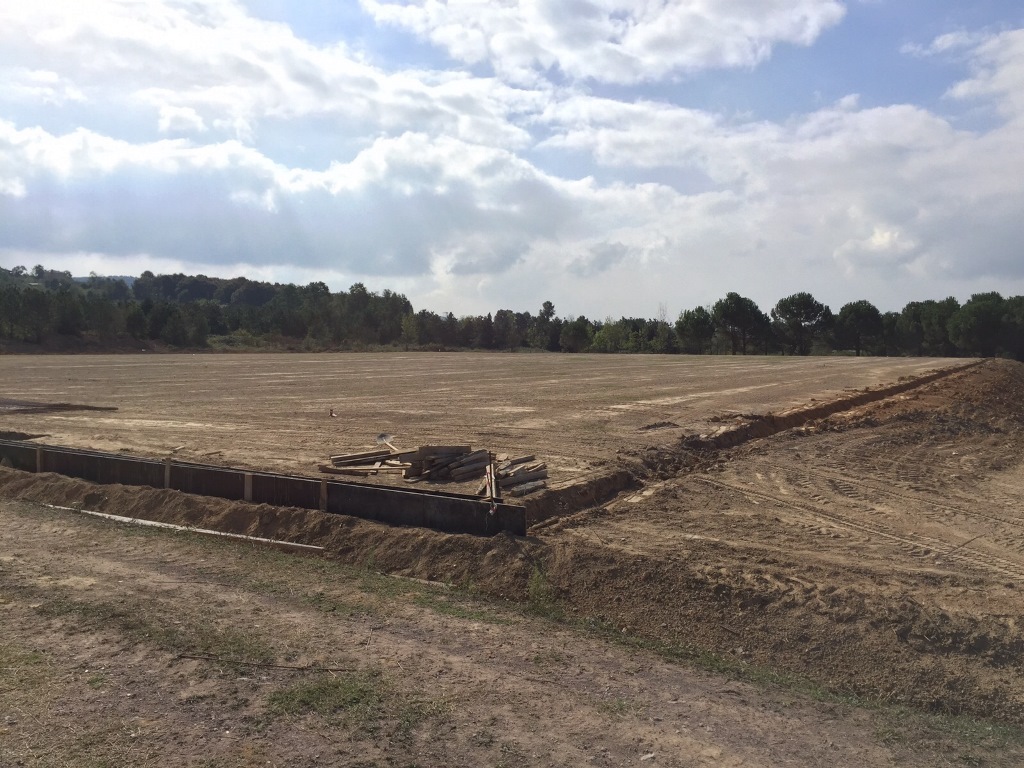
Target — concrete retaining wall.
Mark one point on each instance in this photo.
(452, 513)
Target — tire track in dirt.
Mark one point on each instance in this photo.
(914, 544)
(841, 484)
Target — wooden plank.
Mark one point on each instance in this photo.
(524, 469)
(428, 451)
(522, 490)
(358, 471)
(469, 470)
(471, 458)
(509, 482)
(364, 455)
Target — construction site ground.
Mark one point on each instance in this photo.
(271, 411)
(843, 593)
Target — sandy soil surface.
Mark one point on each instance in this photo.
(847, 592)
(270, 412)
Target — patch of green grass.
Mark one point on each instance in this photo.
(381, 585)
(976, 739)
(360, 700)
(618, 707)
(96, 681)
(541, 596)
(143, 622)
(458, 606)
(356, 695)
(325, 603)
(548, 659)
(21, 669)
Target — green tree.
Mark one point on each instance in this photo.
(738, 317)
(576, 335)
(135, 320)
(68, 314)
(664, 340)
(544, 331)
(484, 337)
(890, 338)
(173, 330)
(695, 329)
(858, 325)
(935, 317)
(196, 326)
(102, 316)
(10, 310)
(609, 338)
(36, 314)
(410, 331)
(1013, 327)
(799, 320)
(976, 328)
(506, 333)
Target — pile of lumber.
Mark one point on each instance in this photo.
(519, 476)
(446, 463)
(382, 460)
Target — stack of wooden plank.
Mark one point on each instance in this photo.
(382, 460)
(446, 463)
(519, 476)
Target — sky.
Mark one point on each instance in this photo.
(616, 158)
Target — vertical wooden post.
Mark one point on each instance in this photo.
(323, 494)
(39, 459)
(248, 486)
(167, 472)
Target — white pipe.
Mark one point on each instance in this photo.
(188, 529)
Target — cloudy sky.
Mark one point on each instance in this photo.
(614, 157)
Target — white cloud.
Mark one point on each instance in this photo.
(945, 44)
(611, 40)
(180, 119)
(997, 62)
(395, 206)
(43, 86)
(212, 141)
(208, 65)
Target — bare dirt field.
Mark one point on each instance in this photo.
(846, 592)
(271, 412)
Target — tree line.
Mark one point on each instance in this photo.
(195, 311)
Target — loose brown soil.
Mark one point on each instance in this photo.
(824, 596)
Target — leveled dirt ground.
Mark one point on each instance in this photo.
(271, 412)
(844, 593)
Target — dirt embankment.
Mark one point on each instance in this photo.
(872, 552)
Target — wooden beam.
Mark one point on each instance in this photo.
(522, 490)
